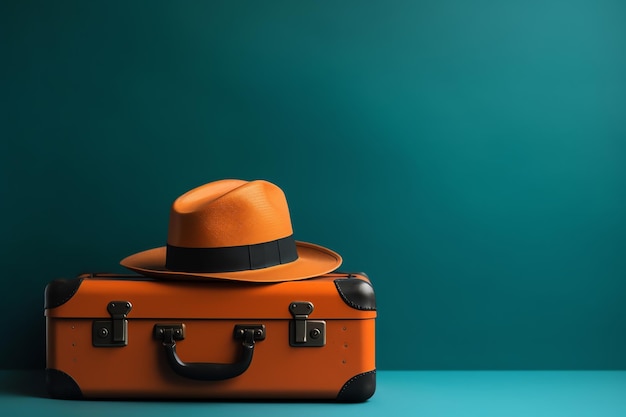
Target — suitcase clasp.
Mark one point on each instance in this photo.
(114, 332)
(302, 331)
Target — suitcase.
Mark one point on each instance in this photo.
(136, 337)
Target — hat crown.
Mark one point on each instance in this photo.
(229, 213)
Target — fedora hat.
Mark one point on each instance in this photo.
(233, 230)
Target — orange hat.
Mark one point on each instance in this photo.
(233, 230)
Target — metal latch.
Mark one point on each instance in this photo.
(302, 331)
(114, 332)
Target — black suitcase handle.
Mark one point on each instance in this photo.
(206, 371)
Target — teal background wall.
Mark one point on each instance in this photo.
(469, 155)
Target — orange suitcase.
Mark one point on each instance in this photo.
(137, 337)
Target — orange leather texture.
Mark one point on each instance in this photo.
(210, 311)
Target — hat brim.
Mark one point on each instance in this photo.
(313, 261)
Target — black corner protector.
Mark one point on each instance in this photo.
(62, 386)
(59, 291)
(356, 293)
(358, 388)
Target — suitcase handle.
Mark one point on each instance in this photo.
(206, 371)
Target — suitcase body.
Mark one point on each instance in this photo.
(111, 337)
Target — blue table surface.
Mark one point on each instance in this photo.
(416, 393)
